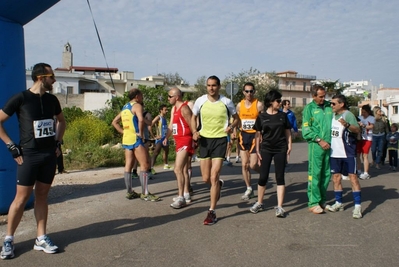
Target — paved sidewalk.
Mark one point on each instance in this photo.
(94, 225)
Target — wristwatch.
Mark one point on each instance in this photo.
(318, 139)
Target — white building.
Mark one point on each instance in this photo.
(359, 88)
(89, 88)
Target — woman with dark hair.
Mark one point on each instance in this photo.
(363, 146)
(380, 130)
(273, 129)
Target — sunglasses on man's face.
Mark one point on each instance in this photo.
(278, 100)
(249, 91)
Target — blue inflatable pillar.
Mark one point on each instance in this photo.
(13, 16)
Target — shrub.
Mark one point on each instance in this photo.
(93, 156)
(87, 130)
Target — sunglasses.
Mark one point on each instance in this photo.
(47, 75)
(249, 91)
(278, 100)
(333, 104)
(170, 96)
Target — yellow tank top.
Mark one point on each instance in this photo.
(130, 124)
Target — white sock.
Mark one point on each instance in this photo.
(40, 238)
(9, 237)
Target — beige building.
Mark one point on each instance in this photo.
(295, 87)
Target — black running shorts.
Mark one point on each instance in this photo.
(39, 165)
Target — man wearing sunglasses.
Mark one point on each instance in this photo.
(248, 110)
(316, 130)
(344, 131)
(36, 154)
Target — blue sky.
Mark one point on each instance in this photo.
(346, 40)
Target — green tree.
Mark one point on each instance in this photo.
(200, 87)
(263, 82)
(334, 87)
(73, 113)
(173, 78)
(353, 100)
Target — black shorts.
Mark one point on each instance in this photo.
(214, 148)
(246, 141)
(39, 165)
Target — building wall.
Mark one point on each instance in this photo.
(96, 101)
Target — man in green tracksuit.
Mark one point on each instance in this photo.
(316, 130)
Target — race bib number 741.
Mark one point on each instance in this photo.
(43, 128)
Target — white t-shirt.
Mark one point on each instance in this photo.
(367, 134)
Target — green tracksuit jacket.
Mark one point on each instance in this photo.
(316, 123)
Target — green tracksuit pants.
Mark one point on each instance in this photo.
(318, 174)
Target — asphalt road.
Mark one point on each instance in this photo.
(94, 225)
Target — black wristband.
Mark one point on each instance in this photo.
(14, 149)
(58, 144)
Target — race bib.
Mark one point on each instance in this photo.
(43, 128)
(248, 124)
(174, 128)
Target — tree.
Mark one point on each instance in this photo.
(353, 100)
(200, 87)
(173, 79)
(263, 82)
(334, 87)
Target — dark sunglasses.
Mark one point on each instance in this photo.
(47, 75)
(170, 96)
(278, 100)
(333, 104)
(249, 91)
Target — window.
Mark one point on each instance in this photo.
(303, 101)
(395, 110)
(293, 102)
(69, 90)
(304, 86)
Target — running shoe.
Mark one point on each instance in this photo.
(335, 207)
(167, 167)
(237, 159)
(150, 197)
(221, 183)
(357, 212)
(135, 175)
(179, 202)
(256, 208)
(45, 245)
(364, 176)
(210, 218)
(7, 252)
(249, 193)
(153, 171)
(187, 198)
(132, 195)
(280, 212)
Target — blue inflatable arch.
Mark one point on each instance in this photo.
(14, 14)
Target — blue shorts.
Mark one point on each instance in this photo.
(139, 142)
(343, 166)
(160, 141)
